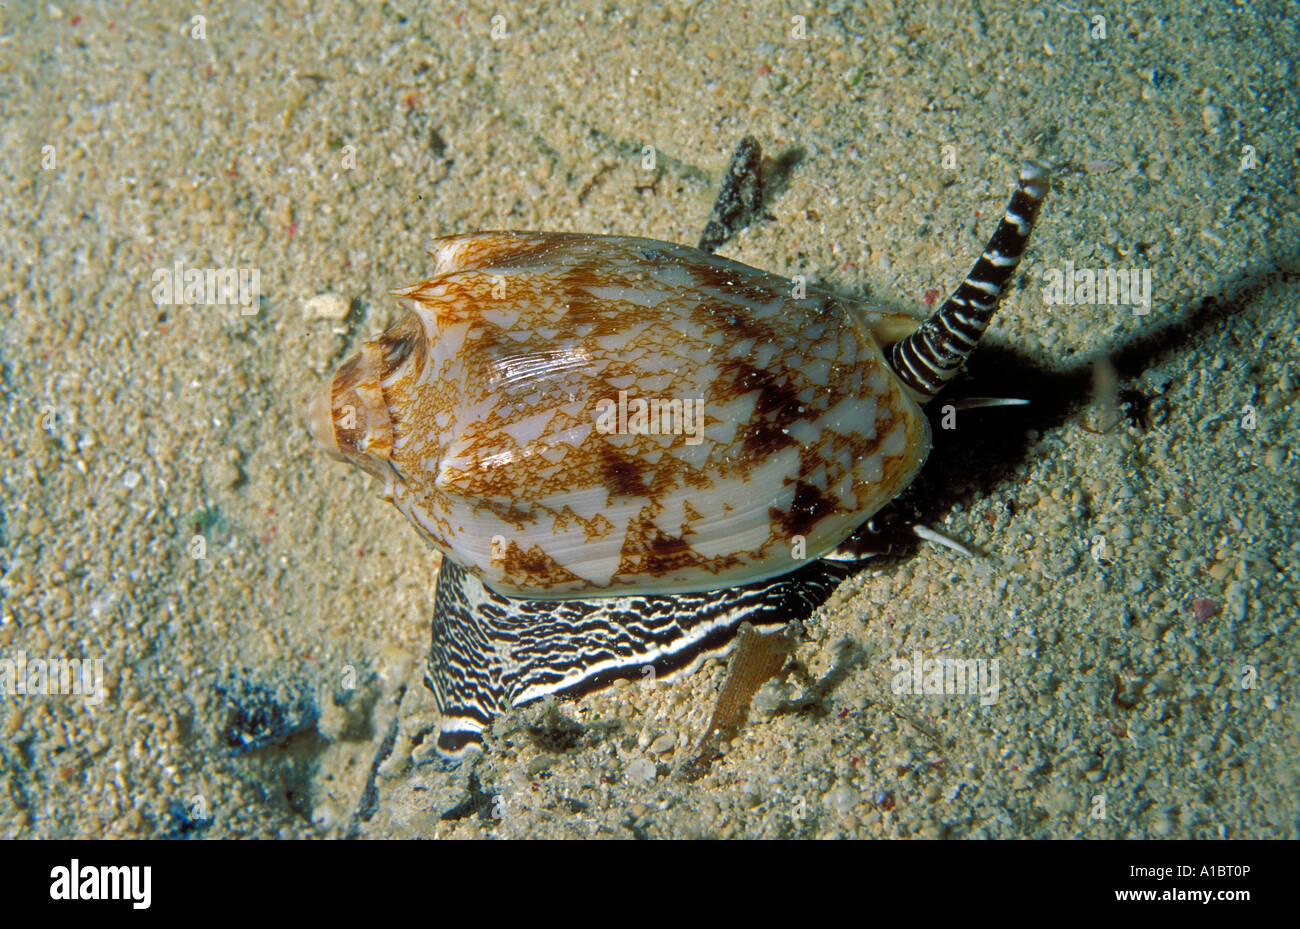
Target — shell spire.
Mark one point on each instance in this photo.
(926, 360)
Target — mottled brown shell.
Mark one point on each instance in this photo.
(505, 416)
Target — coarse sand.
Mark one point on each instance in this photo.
(262, 618)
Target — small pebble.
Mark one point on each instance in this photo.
(220, 473)
(842, 799)
(1236, 601)
(325, 306)
(641, 772)
(1204, 609)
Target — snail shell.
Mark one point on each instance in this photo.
(570, 416)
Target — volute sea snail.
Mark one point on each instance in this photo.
(624, 448)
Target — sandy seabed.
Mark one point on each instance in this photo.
(271, 686)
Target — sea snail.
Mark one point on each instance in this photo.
(624, 448)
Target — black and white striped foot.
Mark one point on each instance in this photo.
(490, 652)
(930, 357)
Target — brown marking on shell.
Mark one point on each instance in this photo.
(736, 288)
(531, 565)
(810, 506)
(598, 527)
(648, 550)
(397, 343)
(777, 404)
(621, 475)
